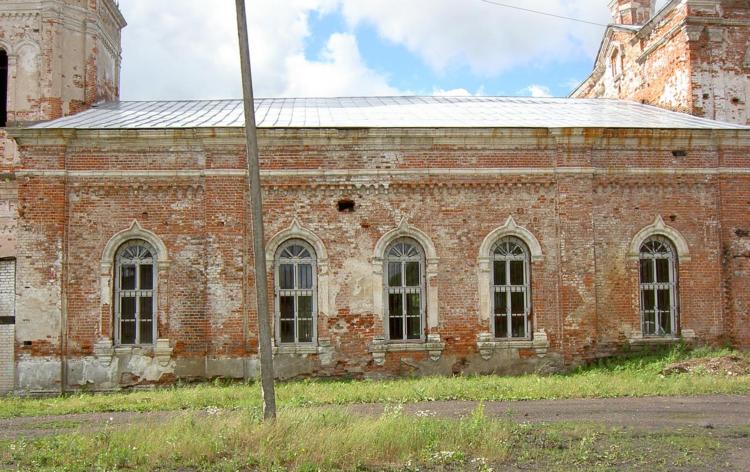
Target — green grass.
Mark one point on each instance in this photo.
(313, 439)
(633, 376)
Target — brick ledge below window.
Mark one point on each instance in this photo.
(433, 346)
(487, 345)
(687, 335)
(323, 346)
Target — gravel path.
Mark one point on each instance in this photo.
(651, 413)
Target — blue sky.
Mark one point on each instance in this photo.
(182, 49)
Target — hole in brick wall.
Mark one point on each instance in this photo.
(735, 101)
(144, 214)
(705, 96)
(345, 205)
(679, 153)
(27, 343)
(742, 233)
(672, 217)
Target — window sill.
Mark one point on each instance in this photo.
(653, 340)
(487, 345)
(298, 349)
(507, 343)
(379, 347)
(162, 351)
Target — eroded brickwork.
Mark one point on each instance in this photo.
(7, 328)
(693, 57)
(583, 195)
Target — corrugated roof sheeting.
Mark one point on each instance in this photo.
(386, 112)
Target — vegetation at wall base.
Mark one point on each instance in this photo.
(628, 376)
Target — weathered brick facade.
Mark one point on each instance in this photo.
(584, 195)
(581, 200)
(693, 56)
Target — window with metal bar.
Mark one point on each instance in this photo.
(405, 287)
(135, 293)
(511, 301)
(658, 281)
(296, 293)
(3, 89)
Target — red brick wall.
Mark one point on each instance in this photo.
(583, 196)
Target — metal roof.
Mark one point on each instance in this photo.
(386, 112)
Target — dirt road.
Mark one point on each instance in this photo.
(650, 413)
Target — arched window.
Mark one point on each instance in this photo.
(511, 288)
(296, 288)
(135, 293)
(3, 89)
(405, 290)
(616, 63)
(658, 281)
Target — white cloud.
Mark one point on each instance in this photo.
(339, 72)
(456, 92)
(537, 91)
(487, 38)
(177, 49)
(185, 49)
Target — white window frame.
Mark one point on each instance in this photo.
(137, 293)
(671, 284)
(296, 292)
(404, 290)
(509, 288)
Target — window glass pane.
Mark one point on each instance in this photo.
(127, 308)
(649, 324)
(304, 306)
(286, 330)
(662, 270)
(413, 327)
(412, 274)
(412, 304)
(395, 313)
(305, 330)
(127, 332)
(394, 274)
(517, 303)
(395, 304)
(501, 306)
(127, 277)
(286, 276)
(147, 333)
(147, 307)
(518, 326)
(647, 271)
(501, 326)
(286, 307)
(499, 270)
(305, 276)
(665, 322)
(648, 300)
(663, 300)
(147, 277)
(516, 273)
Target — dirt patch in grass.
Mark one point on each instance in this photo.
(730, 366)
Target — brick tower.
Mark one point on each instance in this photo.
(57, 57)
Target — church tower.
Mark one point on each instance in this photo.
(57, 58)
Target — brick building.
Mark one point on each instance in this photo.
(415, 235)
(691, 56)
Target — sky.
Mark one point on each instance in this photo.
(187, 49)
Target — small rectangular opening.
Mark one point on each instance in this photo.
(3, 89)
(346, 205)
(679, 153)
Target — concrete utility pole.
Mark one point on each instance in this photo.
(253, 168)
